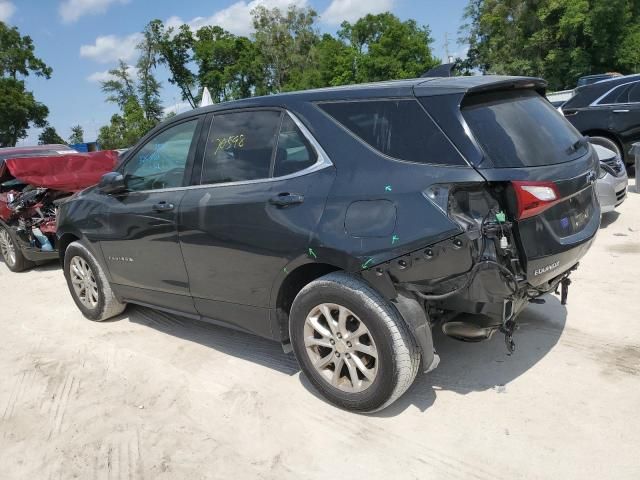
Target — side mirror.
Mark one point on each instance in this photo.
(112, 182)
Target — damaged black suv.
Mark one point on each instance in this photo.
(345, 223)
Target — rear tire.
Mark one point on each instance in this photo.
(88, 284)
(339, 321)
(11, 253)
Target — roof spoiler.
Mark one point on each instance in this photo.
(444, 70)
(514, 83)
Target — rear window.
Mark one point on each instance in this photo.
(521, 129)
(397, 128)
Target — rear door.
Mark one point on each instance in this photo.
(527, 143)
(140, 242)
(263, 186)
(623, 105)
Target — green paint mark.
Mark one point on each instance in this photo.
(365, 265)
(388, 188)
(285, 270)
(394, 239)
(312, 253)
(501, 217)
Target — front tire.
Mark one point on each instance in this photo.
(352, 344)
(11, 253)
(88, 284)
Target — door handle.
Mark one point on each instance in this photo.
(286, 199)
(621, 111)
(163, 207)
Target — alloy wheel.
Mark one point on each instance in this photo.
(84, 282)
(7, 248)
(341, 347)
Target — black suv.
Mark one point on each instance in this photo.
(609, 113)
(344, 222)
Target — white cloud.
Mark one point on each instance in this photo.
(351, 10)
(237, 17)
(7, 10)
(99, 77)
(72, 10)
(111, 48)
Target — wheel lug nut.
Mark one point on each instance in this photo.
(339, 335)
(348, 355)
(337, 354)
(349, 344)
(332, 341)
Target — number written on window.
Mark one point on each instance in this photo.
(232, 141)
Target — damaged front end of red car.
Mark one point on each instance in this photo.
(30, 189)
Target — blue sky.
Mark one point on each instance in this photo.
(82, 39)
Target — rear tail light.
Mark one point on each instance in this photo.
(534, 198)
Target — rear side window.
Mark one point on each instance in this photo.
(240, 146)
(398, 128)
(294, 152)
(520, 129)
(629, 93)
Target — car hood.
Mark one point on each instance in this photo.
(69, 173)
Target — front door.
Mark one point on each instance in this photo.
(141, 247)
(262, 193)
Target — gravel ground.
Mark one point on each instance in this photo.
(155, 396)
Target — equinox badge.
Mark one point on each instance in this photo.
(541, 270)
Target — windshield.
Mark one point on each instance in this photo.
(521, 129)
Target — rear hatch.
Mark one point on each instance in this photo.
(547, 171)
(543, 168)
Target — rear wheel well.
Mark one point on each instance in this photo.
(291, 286)
(606, 134)
(64, 241)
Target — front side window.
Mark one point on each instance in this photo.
(240, 146)
(161, 162)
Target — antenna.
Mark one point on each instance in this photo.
(446, 48)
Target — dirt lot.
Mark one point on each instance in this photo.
(154, 396)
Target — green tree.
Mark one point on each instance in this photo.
(332, 64)
(226, 63)
(284, 41)
(77, 135)
(385, 48)
(120, 87)
(559, 40)
(126, 129)
(148, 86)
(174, 51)
(18, 106)
(138, 100)
(49, 136)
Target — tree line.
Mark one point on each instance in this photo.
(286, 52)
(559, 40)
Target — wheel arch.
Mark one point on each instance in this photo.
(288, 288)
(64, 241)
(606, 134)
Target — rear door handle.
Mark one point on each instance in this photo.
(621, 111)
(286, 199)
(163, 207)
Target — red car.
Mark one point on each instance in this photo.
(32, 180)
